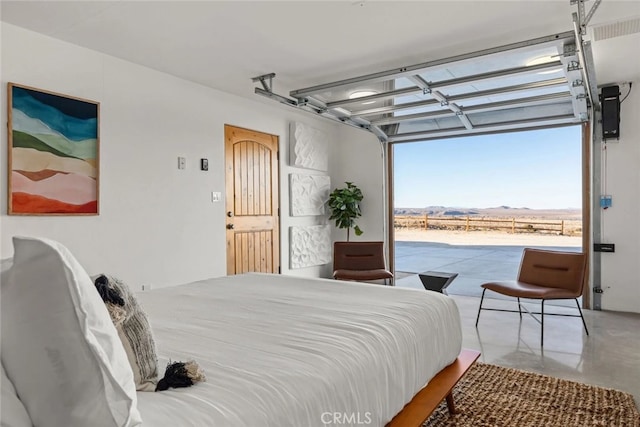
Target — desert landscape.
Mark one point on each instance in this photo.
(486, 238)
(501, 220)
(499, 211)
(479, 244)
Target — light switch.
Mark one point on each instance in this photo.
(182, 163)
(216, 196)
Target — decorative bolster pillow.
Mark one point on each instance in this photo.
(137, 339)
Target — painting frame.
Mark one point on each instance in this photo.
(53, 153)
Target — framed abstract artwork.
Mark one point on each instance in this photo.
(53, 153)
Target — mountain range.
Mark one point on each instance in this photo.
(498, 211)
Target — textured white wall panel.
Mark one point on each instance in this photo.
(310, 245)
(309, 147)
(309, 194)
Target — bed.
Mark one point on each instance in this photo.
(282, 350)
(277, 350)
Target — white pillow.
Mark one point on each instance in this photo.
(5, 264)
(12, 412)
(59, 345)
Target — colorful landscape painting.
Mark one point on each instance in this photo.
(53, 152)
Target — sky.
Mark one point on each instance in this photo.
(536, 169)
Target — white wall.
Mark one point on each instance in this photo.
(620, 223)
(358, 159)
(157, 224)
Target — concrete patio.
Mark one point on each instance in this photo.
(476, 257)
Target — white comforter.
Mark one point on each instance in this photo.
(287, 351)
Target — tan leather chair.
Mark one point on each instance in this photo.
(544, 275)
(360, 261)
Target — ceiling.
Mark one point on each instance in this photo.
(223, 44)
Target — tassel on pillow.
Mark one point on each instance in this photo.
(107, 293)
(181, 374)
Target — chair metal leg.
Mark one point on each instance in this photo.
(519, 308)
(480, 308)
(542, 324)
(582, 317)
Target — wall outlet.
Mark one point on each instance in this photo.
(182, 163)
(147, 287)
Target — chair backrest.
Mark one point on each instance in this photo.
(553, 269)
(358, 256)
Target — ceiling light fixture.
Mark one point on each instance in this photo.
(543, 60)
(363, 93)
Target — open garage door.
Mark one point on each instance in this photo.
(527, 85)
(533, 84)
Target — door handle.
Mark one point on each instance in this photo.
(230, 214)
(229, 226)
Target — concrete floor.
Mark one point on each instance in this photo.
(608, 357)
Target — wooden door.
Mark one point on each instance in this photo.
(251, 161)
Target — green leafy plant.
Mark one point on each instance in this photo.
(345, 207)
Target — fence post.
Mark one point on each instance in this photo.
(562, 228)
(467, 228)
(513, 226)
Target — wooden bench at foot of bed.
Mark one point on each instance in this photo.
(416, 412)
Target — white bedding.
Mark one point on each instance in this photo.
(287, 351)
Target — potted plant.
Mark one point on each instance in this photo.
(345, 207)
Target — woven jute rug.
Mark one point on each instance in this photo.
(491, 395)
